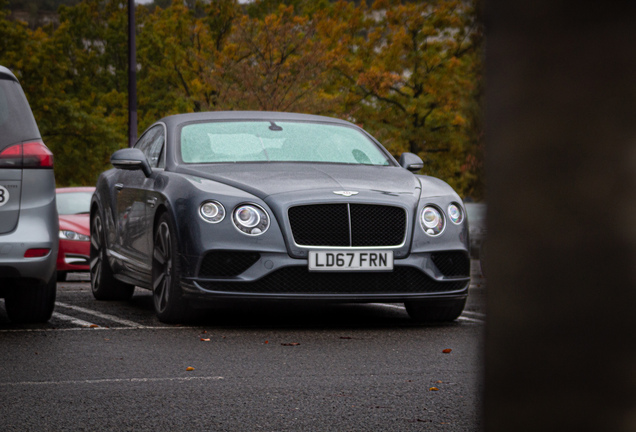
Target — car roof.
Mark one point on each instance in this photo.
(248, 115)
(75, 189)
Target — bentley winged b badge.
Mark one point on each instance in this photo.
(346, 193)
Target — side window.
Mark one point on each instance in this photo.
(151, 144)
(155, 151)
(143, 142)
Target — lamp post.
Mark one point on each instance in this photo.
(132, 76)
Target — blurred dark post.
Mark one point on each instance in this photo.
(561, 163)
(132, 76)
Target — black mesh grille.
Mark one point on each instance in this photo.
(328, 225)
(320, 225)
(299, 280)
(452, 263)
(227, 263)
(374, 225)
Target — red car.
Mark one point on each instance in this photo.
(73, 207)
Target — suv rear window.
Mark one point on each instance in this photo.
(16, 119)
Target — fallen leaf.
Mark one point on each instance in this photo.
(447, 351)
(205, 339)
(205, 331)
(290, 344)
(189, 368)
(433, 389)
(266, 342)
(438, 382)
(93, 325)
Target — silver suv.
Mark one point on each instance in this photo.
(28, 216)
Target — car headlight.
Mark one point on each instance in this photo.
(455, 214)
(432, 221)
(250, 219)
(72, 235)
(212, 211)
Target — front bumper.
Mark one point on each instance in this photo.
(277, 276)
(73, 255)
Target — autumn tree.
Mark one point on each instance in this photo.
(409, 71)
(181, 58)
(277, 63)
(60, 73)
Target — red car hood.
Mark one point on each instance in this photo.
(80, 223)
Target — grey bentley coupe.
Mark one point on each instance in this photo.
(268, 205)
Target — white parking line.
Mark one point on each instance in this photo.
(463, 318)
(101, 315)
(72, 320)
(92, 329)
(112, 380)
(476, 315)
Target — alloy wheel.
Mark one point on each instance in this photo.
(96, 253)
(162, 267)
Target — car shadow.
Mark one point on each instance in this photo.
(294, 314)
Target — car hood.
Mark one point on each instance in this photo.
(264, 180)
(80, 223)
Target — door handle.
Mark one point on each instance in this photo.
(151, 202)
(119, 186)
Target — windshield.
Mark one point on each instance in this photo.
(265, 141)
(69, 203)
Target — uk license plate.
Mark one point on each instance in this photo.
(350, 260)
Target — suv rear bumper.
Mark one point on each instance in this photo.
(37, 229)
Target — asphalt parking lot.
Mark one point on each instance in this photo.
(114, 366)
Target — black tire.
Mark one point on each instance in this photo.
(170, 306)
(61, 276)
(103, 284)
(32, 304)
(438, 310)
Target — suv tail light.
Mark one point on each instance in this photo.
(33, 154)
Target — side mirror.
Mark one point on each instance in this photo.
(411, 162)
(131, 159)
